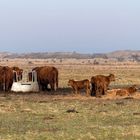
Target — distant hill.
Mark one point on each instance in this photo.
(4, 54)
(125, 55)
(120, 55)
(57, 55)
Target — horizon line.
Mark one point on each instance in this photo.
(67, 52)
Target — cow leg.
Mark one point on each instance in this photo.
(76, 91)
(1, 87)
(45, 86)
(93, 92)
(88, 92)
(97, 91)
(6, 86)
(52, 86)
(40, 86)
(104, 91)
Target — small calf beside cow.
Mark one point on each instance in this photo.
(77, 85)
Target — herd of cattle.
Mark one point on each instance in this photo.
(48, 75)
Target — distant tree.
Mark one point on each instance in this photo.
(136, 57)
(30, 62)
(61, 60)
(96, 62)
(120, 59)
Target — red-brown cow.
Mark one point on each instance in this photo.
(100, 84)
(7, 76)
(47, 75)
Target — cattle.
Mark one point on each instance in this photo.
(77, 85)
(106, 80)
(47, 75)
(7, 75)
(6, 78)
(98, 87)
(127, 91)
(17, 73)
(100, 84)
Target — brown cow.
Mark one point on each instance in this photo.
(106, 79)
(127, 91)
(100, 84)
(47, 75)
(98, 87)
(6, 77)
(77, 85)
(17, 72)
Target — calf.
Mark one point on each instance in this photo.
(127, 91)
(77, 85)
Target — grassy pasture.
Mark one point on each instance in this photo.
(63, 115)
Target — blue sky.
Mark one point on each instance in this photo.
(74, 25)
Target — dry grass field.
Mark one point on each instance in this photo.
(63, 115)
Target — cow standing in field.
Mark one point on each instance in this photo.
(100, 84)
(77, 85)
(47, 75)
(98, 87)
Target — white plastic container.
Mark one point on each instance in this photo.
(25, 85)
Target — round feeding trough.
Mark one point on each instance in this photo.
(28, 83)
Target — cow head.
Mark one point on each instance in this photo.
(70, 82)
(112, 77)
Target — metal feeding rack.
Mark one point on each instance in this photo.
(28, 82)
